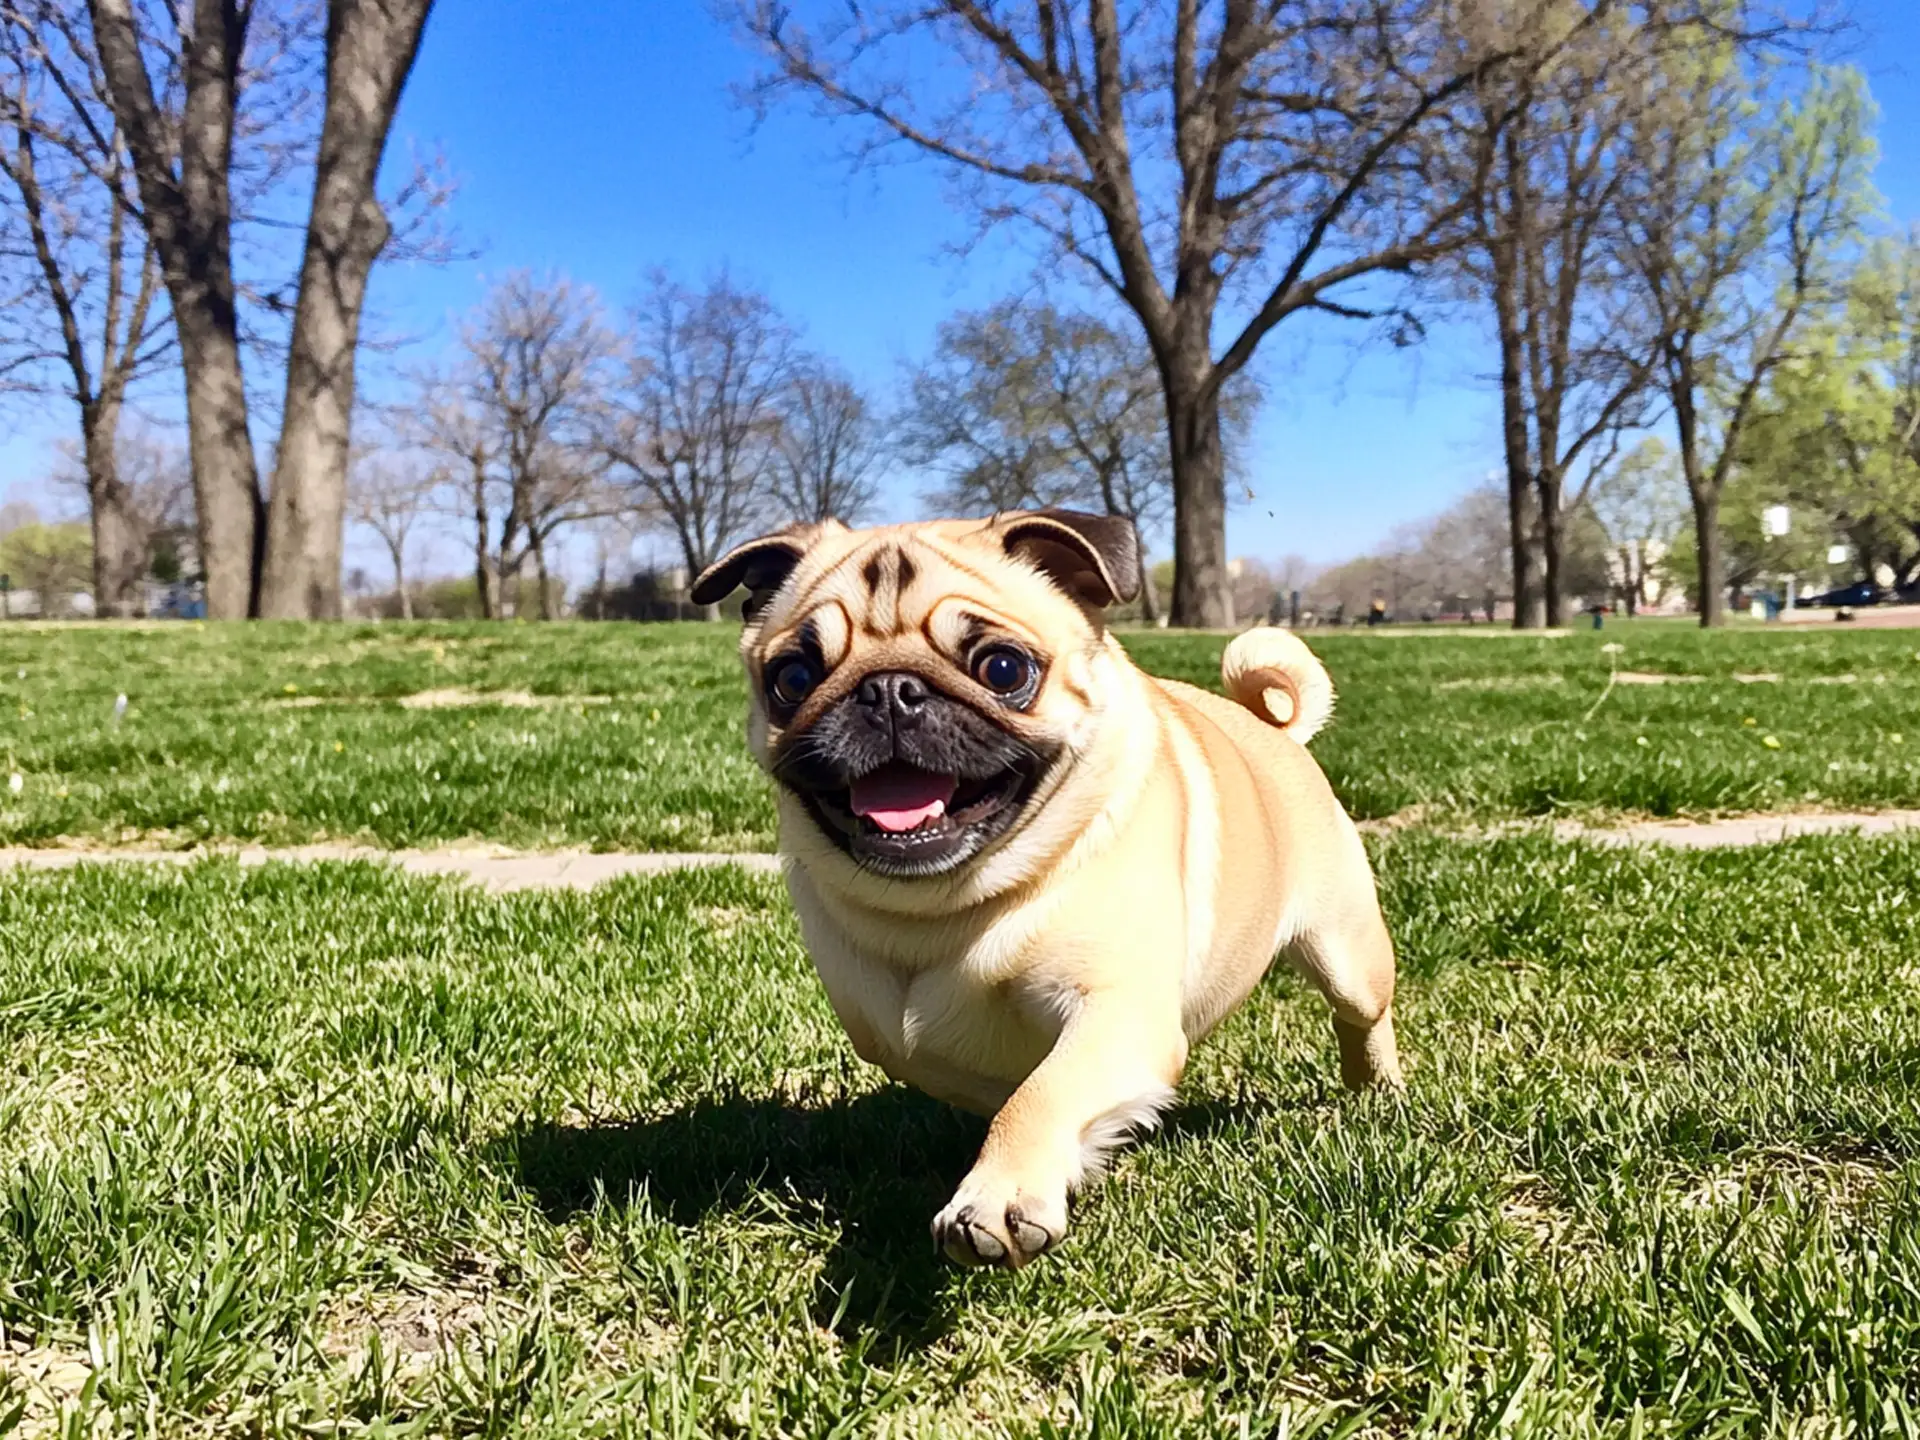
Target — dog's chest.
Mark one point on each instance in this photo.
(960, 1029)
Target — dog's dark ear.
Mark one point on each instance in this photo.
(761, 565)
(1094, 558)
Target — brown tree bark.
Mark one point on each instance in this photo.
(188, 216)
(1704, 490)
(1202, 591)
(1553, 536)
(1149, 595)
(537, 546)
(1529, 611)
(371, 45)
(398, 552)
(119, 533)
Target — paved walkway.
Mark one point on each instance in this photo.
(496, 871)
(501, 870)
(1741, 829)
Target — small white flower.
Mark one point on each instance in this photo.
(119, 708)
(1613, 647)
(16, 782)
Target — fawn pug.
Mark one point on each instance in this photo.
(1031, 876)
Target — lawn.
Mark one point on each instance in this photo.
(327, 1151)
(629, 737)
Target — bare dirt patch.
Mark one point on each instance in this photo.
(48, 1379)
(1505, 682)
(1842, 1182)
(1737, 830)
(449, 698)
(457, 699)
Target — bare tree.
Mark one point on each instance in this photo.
(1451, 562)
(1567, 385)
(695, 429)
(1641, 503)
(182, 163)
(1285, 155)
(447, 423)
(516, 417)
(95, 277)
(982, 415)
(388, 494)
(1736, 207)
(833, 447)
(1109, 415)
(370, 51)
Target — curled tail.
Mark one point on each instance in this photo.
(1274, 674)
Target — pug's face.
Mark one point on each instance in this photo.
(916, 687)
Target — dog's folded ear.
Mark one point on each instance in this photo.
(1094, 558)
(761, 565)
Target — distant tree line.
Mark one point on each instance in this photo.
(1661, 209)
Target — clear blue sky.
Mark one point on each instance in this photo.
(602, 140)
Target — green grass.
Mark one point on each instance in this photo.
(324, 1151)
(284, 734)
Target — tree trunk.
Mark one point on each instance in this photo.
(1202, 591)
(1149, 593)
(188, 208)
(1553, 535)
(371, 46)
(1713, 565)
(485, 580)
(226, 491)
(119, 539)
(1529, 609)
(538, 544)
(1701, 487)
(397, 549)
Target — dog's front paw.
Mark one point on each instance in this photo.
(990, 1223)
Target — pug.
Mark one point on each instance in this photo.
(1031, 876)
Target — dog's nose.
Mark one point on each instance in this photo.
(892, 698)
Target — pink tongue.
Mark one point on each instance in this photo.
(900, 797)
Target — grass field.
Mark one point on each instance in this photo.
(325, 1151)
(628, 737)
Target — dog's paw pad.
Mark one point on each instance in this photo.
(974, 1234)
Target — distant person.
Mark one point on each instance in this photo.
(1378, 612)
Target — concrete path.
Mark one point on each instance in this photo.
(496, 871)
(502, 870)
(1741, 829)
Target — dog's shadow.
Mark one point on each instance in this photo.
(875, 1167)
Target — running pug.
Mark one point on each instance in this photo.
(1032, 876)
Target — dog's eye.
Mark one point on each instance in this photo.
(791, 680)
(1002, 670)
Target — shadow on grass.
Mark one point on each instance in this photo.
(877, 1166)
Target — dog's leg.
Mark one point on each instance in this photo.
(1348, 955)
(1111, 1072)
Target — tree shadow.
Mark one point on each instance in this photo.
(876, 1166)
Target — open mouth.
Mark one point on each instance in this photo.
(904, 819)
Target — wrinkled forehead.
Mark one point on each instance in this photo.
(908, 587)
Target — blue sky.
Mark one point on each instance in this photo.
(601, 139)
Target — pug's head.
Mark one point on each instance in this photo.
(916, 689)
